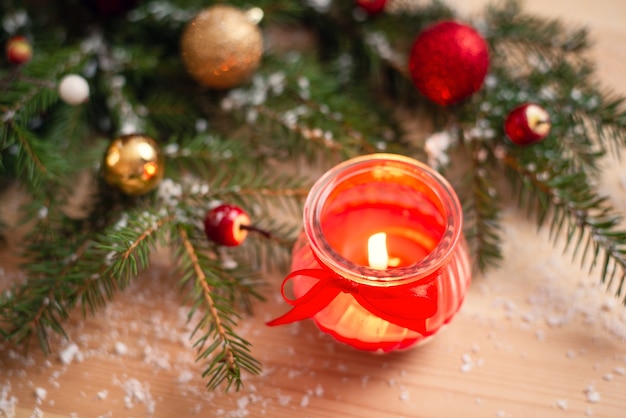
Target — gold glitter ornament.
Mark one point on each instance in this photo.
(221, 47)
(134, 164)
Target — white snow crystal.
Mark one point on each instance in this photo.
(138, 393)
(185, 376)
(121, 348)
(37, 413)
(70, 353)
(404, 395)
(435, 147)
(562, 404)
(593, 396)
(7, 403)
(40, 394)
(283, 400)
(243, 402)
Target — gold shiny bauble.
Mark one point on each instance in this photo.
(221, 47)
(134, 164)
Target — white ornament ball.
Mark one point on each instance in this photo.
(74, 89)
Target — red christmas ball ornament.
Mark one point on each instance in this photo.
(18, 50)
(448, 62)
(527, 124)
(227, 225)
(372, 7)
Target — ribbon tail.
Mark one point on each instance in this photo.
(316, 299)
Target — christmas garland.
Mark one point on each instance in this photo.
(180, 121)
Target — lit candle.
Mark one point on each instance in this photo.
(377, 256)
(381, 263)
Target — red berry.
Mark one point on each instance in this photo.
(225, 224)
(527, 124)
(448, 62)
(372, 7)
(18, 50)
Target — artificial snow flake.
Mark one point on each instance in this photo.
(70, 353)
(380, 43)
(593, 396)
(576, 94)
(304, 86)
(171, 149)
(201, 125)
(92, 43)
(7, 116)
(321, 6)
(43, 212)
(40, 395)
(121, 348)
(435, 147)
(169, 192)
(14, 21)
(562, 404)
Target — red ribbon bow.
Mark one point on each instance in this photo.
(407, 306)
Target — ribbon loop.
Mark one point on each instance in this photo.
(407, 306)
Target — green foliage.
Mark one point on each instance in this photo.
(332, 99)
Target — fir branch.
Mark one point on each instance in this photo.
(29, 161)
(169, 112)
(128, 244)
(604, 120)
(228, 354)
(86, 269)
(269, 192)
(285, 114)
(315, 135)
(40, 304)
(205, 156)
(33, 90)
(509, 27)
(23, 100)
(481, 207)
(588, 220)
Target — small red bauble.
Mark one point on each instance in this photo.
(449, 62)
(226, 225)
(372, 7)
(18, 50)
(527, 124)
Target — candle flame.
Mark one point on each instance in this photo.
(377, 255)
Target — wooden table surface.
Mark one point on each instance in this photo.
(535, 338)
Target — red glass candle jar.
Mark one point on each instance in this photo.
(388, 297)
